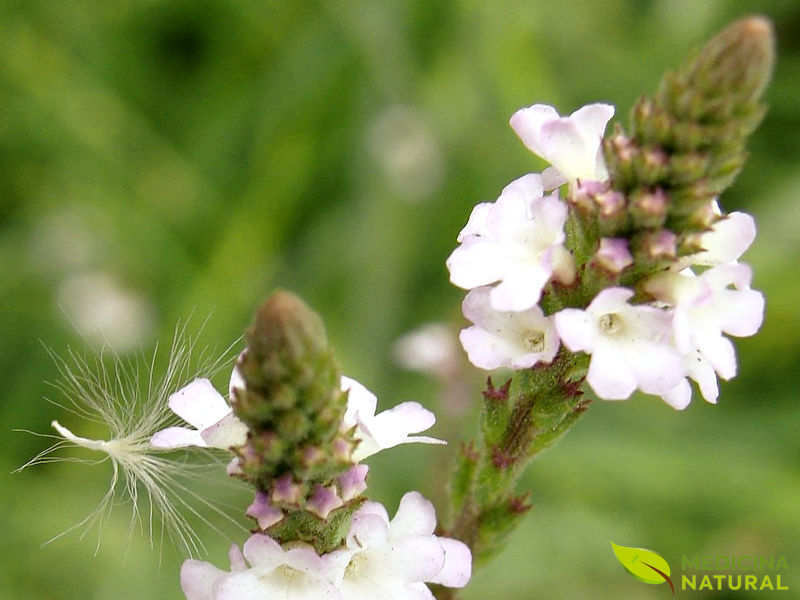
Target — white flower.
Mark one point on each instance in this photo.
(506, 339)
(629, 344)
(571, 144)
(265, 570)
(706, 307)
(386, 429)
(728, 239)
(517, 241)
(203, 407)
(392, 560)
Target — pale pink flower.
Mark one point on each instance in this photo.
(517, 242)
(517, 340)
(630, 345)
(573, 144)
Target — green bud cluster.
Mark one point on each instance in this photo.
(293, 406)
(687, 142)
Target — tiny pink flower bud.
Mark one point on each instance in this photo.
(649, 208)
(610, 203)
(263, 512)
(323, 501)
(312, 455)
(613, 255)
(353, 481)
(284, 490)
(660, 244)
(342, 449)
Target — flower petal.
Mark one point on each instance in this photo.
(263, 552)
(199, 404)
(457, 568)
(177, 437)
(520, 289)
(609, 375)
(680, 396)
(367, 531)
(417, 558)
(728, 239)
(360, 401)
(198, 578)
(229, 432)
(577, 329)
(415, 516)
(593, 118)
(477, 261)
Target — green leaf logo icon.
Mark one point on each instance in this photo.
(645, 565)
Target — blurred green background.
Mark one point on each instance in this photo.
(168, 158)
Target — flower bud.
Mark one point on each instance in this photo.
(651, 165)
(611, 213)
(648, 208)
(653, 246)
(613, 255)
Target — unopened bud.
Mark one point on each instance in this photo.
(651, 165)
(582, 195)
(690, 243)
(737, 61)
(286, 491)
(703, 217)
(657, 245)
(324, 500)
(651, 123)
(265, 514)
(620, 152)
(353, 482)
(613, 255)
(688, 167)
(688, 198)
(648, 208)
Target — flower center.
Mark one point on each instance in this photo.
(611, 323)
(533, 341)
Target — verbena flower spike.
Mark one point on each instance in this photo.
(613, 271)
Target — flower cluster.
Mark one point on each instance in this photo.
(214, 425)
(381, 559)
(374, 558)
(666, 328)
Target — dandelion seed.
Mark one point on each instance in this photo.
(133, 405)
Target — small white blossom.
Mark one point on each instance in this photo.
(506, 339)
(718, 301)
(392, 560)
(386, 429)
(630, 345)
(265, 570)
(203, 407)
(517, 241)
(571, 144)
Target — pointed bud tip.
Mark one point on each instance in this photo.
(285, 323)
(746, 50)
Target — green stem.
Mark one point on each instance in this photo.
(517, 423)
